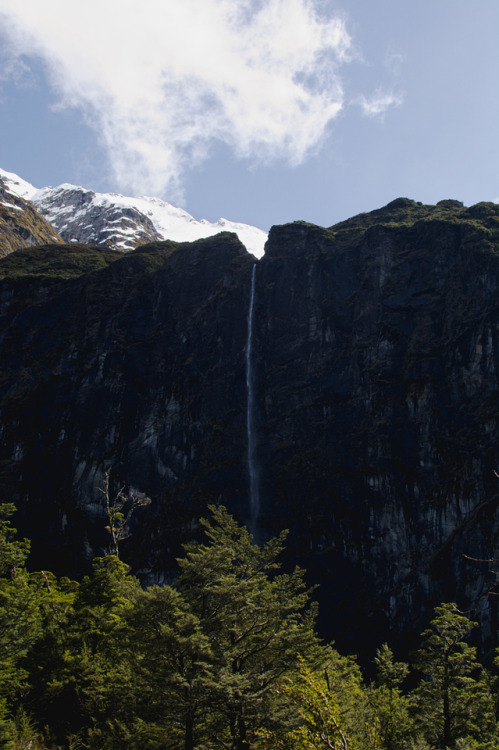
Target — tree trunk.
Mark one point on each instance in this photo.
(189, 734)
(446, 706)
(189, 722)
(238, 729)
(242, 743)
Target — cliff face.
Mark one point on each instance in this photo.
(20, 223)
(379, 404)
(375, 360)
(137, 367)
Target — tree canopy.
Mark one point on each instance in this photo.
(227, 656)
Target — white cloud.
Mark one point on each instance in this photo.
(161, 80)
(379, 103)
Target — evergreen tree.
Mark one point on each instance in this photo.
(20, 623)
(84, 677)
(13, 552)
(256, 621)
(46, 660)
(386, 700)
(172, 669)
(227, 657)
(453, 700)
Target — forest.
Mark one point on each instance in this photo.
(226, 656)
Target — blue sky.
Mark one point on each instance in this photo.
(261, 111)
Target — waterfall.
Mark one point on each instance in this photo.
(254, 499)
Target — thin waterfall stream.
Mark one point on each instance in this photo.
(254, 497)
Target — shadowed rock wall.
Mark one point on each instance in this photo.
(376, 357)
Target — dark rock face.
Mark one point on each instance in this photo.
(385, 445)
(376, 358)
(139, 368)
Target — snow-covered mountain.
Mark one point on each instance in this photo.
(21, 225)
(121, 222)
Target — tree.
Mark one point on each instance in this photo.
(120, 510)
(192, 665)
(13, 552)
(325, 708)
(386, 700)
(256, 620)
(318, 723)
(453, 700)
(81, 679)
(172, 668)
(20, 623)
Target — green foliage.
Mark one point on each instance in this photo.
(390, 674)
(318, 722)
(386, 700)
(20, 733)
(13, 553)
(324, 707)
(80, 664)
(257, 621)
(172, 667)
(56, 262)
(20, 624)
(15, 613)
(453, 700)
(227, 657)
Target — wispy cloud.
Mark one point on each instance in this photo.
(379, 103)
(394, 62)
(14, 68)
(162, 80)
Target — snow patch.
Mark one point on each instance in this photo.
(17, 186)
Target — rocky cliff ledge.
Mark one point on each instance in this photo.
(20, 223)
(376, 353)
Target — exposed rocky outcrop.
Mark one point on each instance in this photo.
(20, 223)
(79, 217)
(376, 346)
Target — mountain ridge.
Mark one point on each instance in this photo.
(120, 222)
